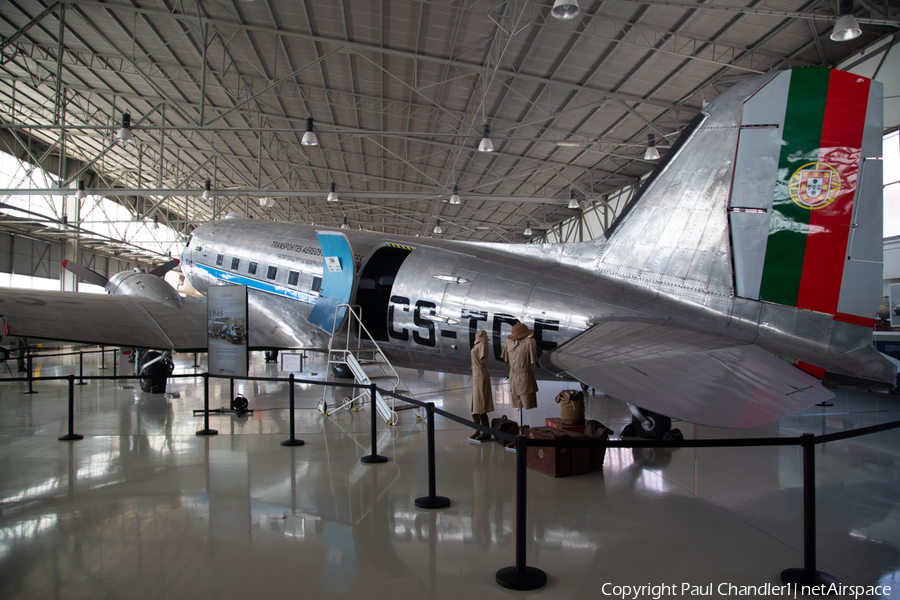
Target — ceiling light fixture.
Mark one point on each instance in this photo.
(573, 203)
(155, 222)
(124, 134)
(528, 230)
(207, 190)
(846, 27)
(454, 198)
(568, 144)
(437, 228)
(309, 138)
(652, 153)
(565, 9)
(344, 224)
(486, 145)
(332, 195)
(81, 193)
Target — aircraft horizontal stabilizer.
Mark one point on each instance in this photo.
(738, 387)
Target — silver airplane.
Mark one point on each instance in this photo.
(747, 268)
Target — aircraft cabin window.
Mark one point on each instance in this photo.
(252, 268)
(220, 258)
(293, 277)
(316, 284)
(270, 273)
(235, 263)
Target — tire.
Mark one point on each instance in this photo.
(341, 371)
(153, 380)
(659, 425)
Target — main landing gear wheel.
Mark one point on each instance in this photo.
(654, 427)
(153, 378)
(341, 371)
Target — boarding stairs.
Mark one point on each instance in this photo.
(352, 346)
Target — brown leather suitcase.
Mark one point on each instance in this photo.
(557, 462)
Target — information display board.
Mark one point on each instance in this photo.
(227, 329)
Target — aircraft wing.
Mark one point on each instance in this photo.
(707, 379)
(115, 320)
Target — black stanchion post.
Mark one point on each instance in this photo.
(432, 500)
(116, 363)
(102, 358)
(521, 577)
(373, 458)
(292, 441)
(206, 430)
(71, 436)
(81, 380)
(28, 363)
(808, 575)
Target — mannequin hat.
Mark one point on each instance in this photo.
(519, 331)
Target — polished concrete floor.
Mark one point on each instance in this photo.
(144, 508)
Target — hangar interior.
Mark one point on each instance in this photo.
(155, 118)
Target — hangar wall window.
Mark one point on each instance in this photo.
(252, 268)
(105, 222)
(293, 277)
(235, 264)
(271, 272)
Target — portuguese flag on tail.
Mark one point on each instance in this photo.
(815, 187)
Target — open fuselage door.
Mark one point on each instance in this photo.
(376, 283)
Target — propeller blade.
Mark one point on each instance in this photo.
(165, 268)
(85, 273)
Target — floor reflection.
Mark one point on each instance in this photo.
(145, 508)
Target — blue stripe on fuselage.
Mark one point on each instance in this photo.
(260, 286)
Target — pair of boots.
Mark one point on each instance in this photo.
(479, 436)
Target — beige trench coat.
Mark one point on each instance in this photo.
(522, 384)
(482, 398)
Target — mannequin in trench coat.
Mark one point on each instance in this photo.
(521, 352)
(482, 398)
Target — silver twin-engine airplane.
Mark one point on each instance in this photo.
(747, 268)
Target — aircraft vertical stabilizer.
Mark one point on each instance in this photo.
(773, 193)
(805, 209)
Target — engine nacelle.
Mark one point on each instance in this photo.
(145, 285)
